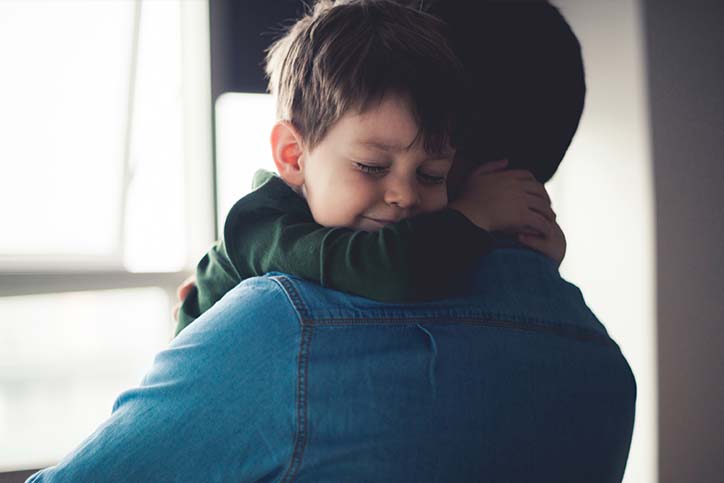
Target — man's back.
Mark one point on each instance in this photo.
(285, 381)
(516, 382)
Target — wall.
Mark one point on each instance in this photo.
(685, 50)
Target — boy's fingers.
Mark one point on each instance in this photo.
(535, 242)
(542, 207)
(537, 189)
(492, 166)
(529, 231)
(183, 290)
(175, 311)
(538, 222)
(521, 174)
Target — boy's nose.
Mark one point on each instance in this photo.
(402, 192)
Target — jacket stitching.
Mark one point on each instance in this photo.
(563, 330)
(529, 326)
(294, 297)
(301, 403)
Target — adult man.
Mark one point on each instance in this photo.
(514, 380)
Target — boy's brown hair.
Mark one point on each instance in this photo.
(349, 54)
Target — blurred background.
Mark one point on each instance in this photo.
(129, 127)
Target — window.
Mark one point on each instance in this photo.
(64, 108)
(106, 203)
(63, 360)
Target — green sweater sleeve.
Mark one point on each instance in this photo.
(272, 230)
(215, 275)
(407, 261)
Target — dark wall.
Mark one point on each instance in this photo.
(16, 476)
(685, 50)
(240, 32)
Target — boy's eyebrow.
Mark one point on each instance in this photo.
(385, 146)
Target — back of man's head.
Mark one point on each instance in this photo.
(527, 80)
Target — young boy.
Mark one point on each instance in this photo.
(368, 97)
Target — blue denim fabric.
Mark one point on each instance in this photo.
(514, 381)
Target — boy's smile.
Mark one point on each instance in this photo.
(371, 170)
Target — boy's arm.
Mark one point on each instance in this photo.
(407, 261)
(215, 276)
(404, 262)
(273, 230)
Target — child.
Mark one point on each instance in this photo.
(368, 93)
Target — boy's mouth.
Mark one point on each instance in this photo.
(381, 221)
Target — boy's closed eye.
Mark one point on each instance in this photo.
(381, 170)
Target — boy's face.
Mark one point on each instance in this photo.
(366, 172)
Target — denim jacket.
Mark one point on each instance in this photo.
(515, 380)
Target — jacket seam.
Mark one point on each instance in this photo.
(562, 330)
(528, 326)
(301, 398)
(295, 298)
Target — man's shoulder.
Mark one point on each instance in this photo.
(226, 381)
(253, 306)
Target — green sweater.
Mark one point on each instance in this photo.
(272, 230)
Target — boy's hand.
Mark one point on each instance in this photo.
(508, 201)
(182, 292)
(553, 246)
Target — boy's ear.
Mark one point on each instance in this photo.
(288, 150)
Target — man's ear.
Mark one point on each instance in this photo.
(288, 150)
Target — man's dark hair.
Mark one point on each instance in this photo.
(527, 83)
(347, 55)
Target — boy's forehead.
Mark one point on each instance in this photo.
(388, 124)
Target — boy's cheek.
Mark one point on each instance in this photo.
(437, 202)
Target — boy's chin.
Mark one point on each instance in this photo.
(370, 224)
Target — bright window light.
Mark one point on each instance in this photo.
(105, 157)
(59, 375)
(92, 122)
(64, 94)
(243, 131)
(155, 217)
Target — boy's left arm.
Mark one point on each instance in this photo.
(273, 230)
(214, 277)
